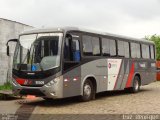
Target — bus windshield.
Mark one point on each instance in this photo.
(37, 52)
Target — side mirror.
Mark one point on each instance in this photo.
(11, 40)
(7, 50)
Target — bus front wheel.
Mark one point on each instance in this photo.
(88, 91)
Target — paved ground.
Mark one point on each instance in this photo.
(147, 101)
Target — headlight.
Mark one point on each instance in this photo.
(56, 80)
(52, 82)
(14, 82)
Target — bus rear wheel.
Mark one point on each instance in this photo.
(136, 85)
(88, 91)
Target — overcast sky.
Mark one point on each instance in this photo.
(136, 18)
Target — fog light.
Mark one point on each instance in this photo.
(52, 82)
(53, 93)
(56, 80)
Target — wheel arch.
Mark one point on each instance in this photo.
(92, 79)
(138, 74)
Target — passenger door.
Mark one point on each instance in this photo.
(71, 66)
(72, 55)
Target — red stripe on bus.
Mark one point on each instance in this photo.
(130, 77)
(20, 81)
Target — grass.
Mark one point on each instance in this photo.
(6, 86)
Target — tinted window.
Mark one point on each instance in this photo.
(138, 50)
(67, 44)
(145, 51)
(135, 50)
(120, 48)
(95, 46)
(45, 46)
(87, 45)
(91, 45)
(112, 47)
(152, 51)
(105, 47)
(75, 50)
(71, 50)
(126, 49)
(75, 44)
(72, 53)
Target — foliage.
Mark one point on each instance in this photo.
(6, 86)
(156, 39)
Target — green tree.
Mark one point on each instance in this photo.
(156, 39)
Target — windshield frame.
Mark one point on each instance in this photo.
(18, 49)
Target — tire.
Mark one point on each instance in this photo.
(136, 85)
(88, 91)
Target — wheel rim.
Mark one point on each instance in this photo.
(87, 90)
(136, 85)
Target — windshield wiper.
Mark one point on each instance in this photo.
(28, 53)
(41, 67)
(32, 60)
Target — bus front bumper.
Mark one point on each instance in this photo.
(45, 91)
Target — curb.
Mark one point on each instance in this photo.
(5, 94)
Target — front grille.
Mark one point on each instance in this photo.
(35, 92)
(33, 85)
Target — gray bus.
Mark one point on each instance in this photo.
(65, 62)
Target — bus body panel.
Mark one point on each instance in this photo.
(71, 83)
(98, 69)
(110, 73)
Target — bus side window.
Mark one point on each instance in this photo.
(76, 50)
(87, 45)
(152, 51)
(105, 47)
(126, 50)
(112, 48)
(67, 49)
(72, 54)
(145, 51)
(135, 50)
(120, 48)
(71, 50)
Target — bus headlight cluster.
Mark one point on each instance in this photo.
(14, 82)
(52, 82)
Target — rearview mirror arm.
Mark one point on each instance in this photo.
(11, 40)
